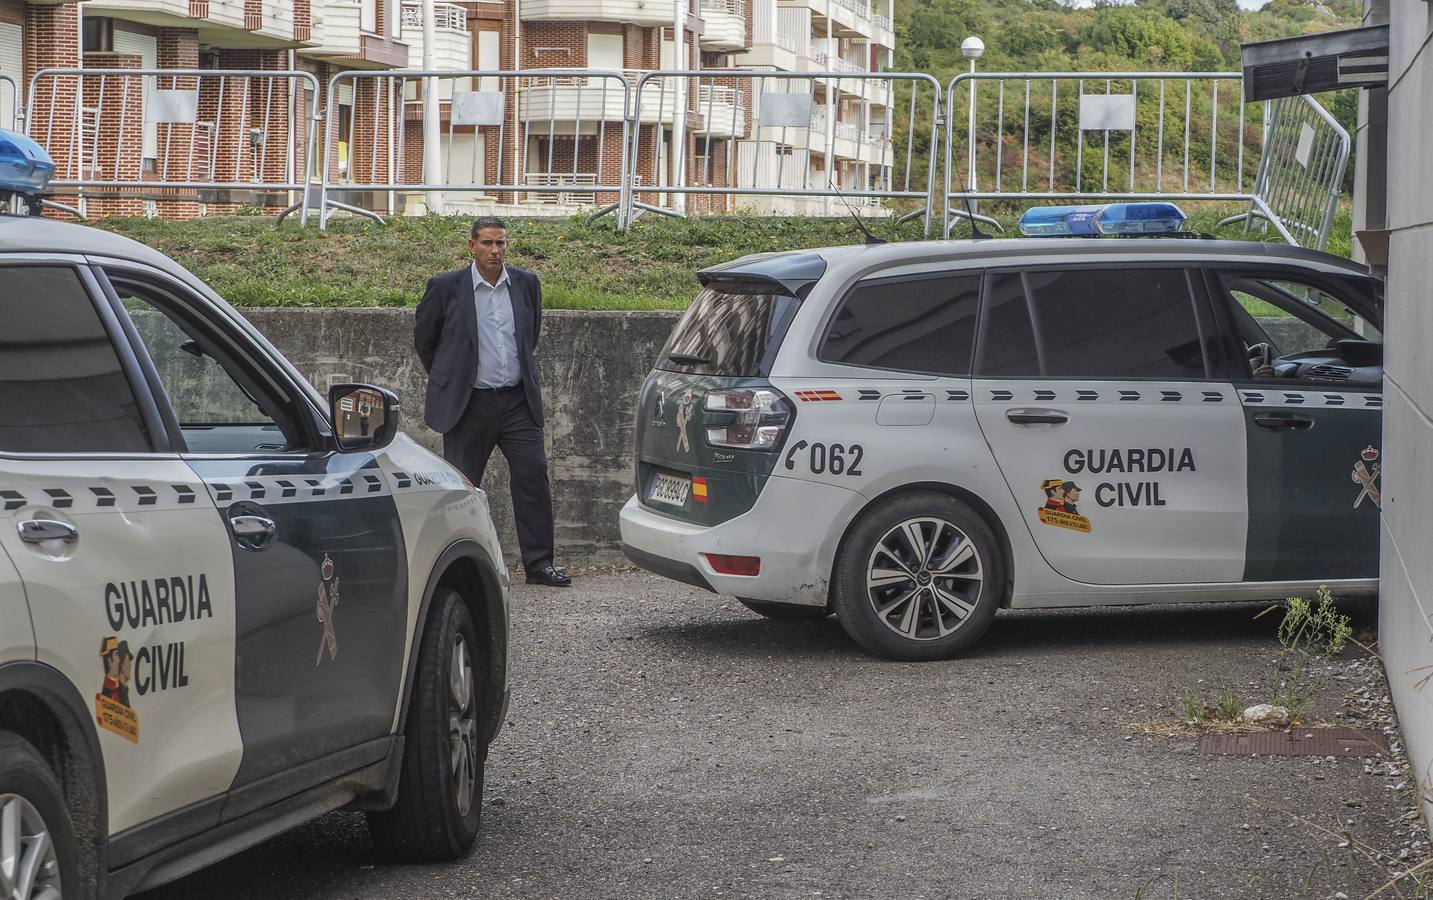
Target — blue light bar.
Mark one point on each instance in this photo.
(1158, 217)
(25, 166)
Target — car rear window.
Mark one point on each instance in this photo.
(730, 330)
(923, 323)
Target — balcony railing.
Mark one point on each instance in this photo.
(446, 17)
(730, 7)
(861, 9)
(555, 182)
(881, 21)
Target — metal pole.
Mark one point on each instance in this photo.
(679, 100)
(970, 138)
(432, 135)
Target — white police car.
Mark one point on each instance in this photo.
(914, 435)
(228, 604)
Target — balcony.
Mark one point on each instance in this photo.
(723, 111)
(347, 45)
(223, 16)
(847, 18)
(269, 19)
(556, 188)
(636, 12)
(452, 44)
(725, 24)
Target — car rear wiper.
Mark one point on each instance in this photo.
(688, 359)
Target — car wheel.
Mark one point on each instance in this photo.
(440, 790)
(918, 578)
(37, 841)
(785, 612)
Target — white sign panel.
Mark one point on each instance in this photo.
(785, 111)
(1305, 150)
(477, 107)
(1107, 112)
(172, 107)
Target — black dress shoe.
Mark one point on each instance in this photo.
(549, 576)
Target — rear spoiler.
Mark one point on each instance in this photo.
(789, 274)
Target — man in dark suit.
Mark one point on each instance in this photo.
(476, 333)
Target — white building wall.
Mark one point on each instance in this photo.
(1406, 601)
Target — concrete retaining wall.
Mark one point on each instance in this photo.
(593, 364)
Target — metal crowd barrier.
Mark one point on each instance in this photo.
(150, 133)
(10, 103)
(1301, 172)
(1084, 136)
(759, 134)
(540, 136)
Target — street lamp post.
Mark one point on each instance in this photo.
(972, 48)
(432, 128)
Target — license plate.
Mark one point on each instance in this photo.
(669, 489)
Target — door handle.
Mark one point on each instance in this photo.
(1037, 416)
(34, 531)
(254, 532)
(1282, 421)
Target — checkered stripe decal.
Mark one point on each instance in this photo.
(1076, 394)
(297, 488)
(77, 497)
(1311, 399)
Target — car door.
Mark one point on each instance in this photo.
(1313, 420)
(1097, 390)
(314, 537)
(120, 550)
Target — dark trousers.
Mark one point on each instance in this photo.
(501, 418)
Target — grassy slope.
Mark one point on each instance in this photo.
(253, 263)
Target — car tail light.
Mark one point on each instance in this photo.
(747, 418)
(734, 565)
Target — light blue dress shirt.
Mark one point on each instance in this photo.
(497, 333)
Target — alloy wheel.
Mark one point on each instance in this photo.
(923, 578)
(462, 726)
(29, 866)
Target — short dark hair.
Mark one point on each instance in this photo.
(482, 222)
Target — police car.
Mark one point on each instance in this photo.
(915, 435)
(228, 604)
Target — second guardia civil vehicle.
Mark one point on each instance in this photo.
(228, 603)
(915, 435)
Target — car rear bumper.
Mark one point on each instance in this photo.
(793, 529)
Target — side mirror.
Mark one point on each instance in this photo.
(364, 417)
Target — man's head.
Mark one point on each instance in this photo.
(1054, 489)
(1072, 492)
(488, 243)
(116, 658)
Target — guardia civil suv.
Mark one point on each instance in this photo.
(228, 604)
(915, 435)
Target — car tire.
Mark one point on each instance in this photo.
(440, 788)
(28, 788)
(918, 578)
(785, 612)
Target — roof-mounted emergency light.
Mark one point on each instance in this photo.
(1157, 217)
(25, 168)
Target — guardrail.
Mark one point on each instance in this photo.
(1146, 146)
(493, 123)
(769, 147)
(205, 130)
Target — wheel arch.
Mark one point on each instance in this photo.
(971, 499)
(467, 567)
(40, 705)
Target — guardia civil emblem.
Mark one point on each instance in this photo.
(324, 607)
(684, 418)
(1365, 475)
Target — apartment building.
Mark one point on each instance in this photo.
(544, 141)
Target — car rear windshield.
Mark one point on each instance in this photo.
(730, 330)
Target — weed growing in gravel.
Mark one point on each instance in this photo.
(1310, 634)
(1230, 705)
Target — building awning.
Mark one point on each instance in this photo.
(1314, 63)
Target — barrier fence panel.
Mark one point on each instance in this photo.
(12, 111)
(556, 137)
(786, 142)
(123, 139)
(1083, 136)
(1301, 172)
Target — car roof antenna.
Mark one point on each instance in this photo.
(975, 233)
(870, 238)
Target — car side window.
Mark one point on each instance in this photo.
(1305, 317)
(922, 324)
(62, 389)
(1093, 323)
(219, 406)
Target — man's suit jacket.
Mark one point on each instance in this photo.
(445, 334)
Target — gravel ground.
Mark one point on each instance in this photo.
(663, 742)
